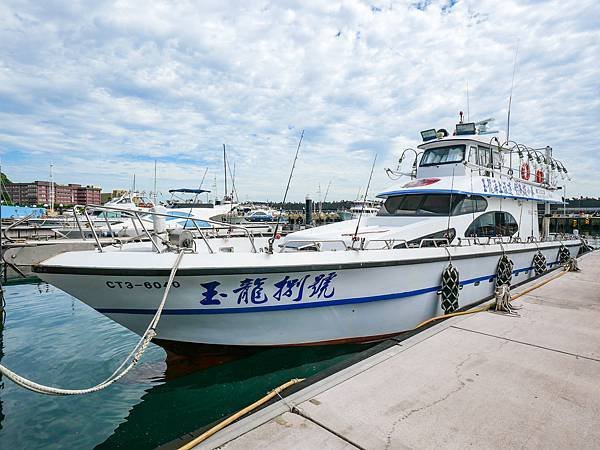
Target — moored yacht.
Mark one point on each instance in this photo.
(472, 204)
(361, 208)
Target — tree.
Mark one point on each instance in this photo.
(4, 179)
(3, 182)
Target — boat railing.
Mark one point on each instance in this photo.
(154, 237)
(13, 225)
(388, 244)
(311, 244)
(364, 244)
(508, 175)
(435, 242)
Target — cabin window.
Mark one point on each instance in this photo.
(432, 205)
(495, 223)
(439, 239)
(470, 205)
(497, 160)
(473, 155)
(484, 156)
(443, 155)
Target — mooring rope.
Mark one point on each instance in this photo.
(571, 267)
(240, 413)
(129, 362)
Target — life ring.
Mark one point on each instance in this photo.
(539, 176)
(525, 171)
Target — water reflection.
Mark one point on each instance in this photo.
(2, 321)
(52, 339)
(186, 403)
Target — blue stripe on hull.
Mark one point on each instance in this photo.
(345, 301)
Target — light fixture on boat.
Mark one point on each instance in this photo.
(428, 135)
(465, 128)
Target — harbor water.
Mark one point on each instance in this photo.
(50, 337)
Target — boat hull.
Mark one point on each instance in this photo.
(270, 305)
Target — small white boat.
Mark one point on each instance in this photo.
(364, 208)
(179, 212)
(472, 205)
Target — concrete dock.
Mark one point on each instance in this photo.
(485, 380)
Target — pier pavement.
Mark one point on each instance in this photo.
(483, 381)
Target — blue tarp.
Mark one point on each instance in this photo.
(21, 211)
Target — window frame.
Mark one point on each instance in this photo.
(508, 221)
(464, 153)
(481, 205)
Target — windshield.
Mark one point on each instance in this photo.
(432, 205)
(443, 155)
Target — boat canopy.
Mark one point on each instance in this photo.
(188, 191)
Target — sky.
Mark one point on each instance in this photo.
(102, 90)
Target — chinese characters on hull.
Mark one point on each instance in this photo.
(253, 290)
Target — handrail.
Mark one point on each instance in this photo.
(14, 224)
(389, 243)
(87, 216)
(315, 242)
(434, 241)
(136, 215)
(499, 172)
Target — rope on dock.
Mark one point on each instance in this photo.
(239, 414)
(567, 268)
(129, 362)
(276, 391)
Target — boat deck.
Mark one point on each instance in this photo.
(485, 380)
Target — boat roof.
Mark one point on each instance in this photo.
(487, 139)
(504, 187)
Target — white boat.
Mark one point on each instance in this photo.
(364, 208)
(471, 205)
(179, 212)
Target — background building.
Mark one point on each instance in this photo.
(40, 193)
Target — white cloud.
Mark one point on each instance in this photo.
(102, 89)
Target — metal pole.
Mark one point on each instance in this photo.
(225, 169)
(93, 230)
(78, 223)
(546, 219)
(202, 236)
(112, 235)
(147, 233)
(154, 182)
(51, 188)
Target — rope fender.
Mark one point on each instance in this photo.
(450, 289)
(564, 255)
(539, 263)
(504, 271)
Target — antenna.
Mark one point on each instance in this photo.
(203, 177)
(234, 190)
(365, 202)
(512, 84)
(450, 206)
(154, 182)
(51, 188)
(468, 105)
(327, 191)
(225, 170)
(272, 239)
